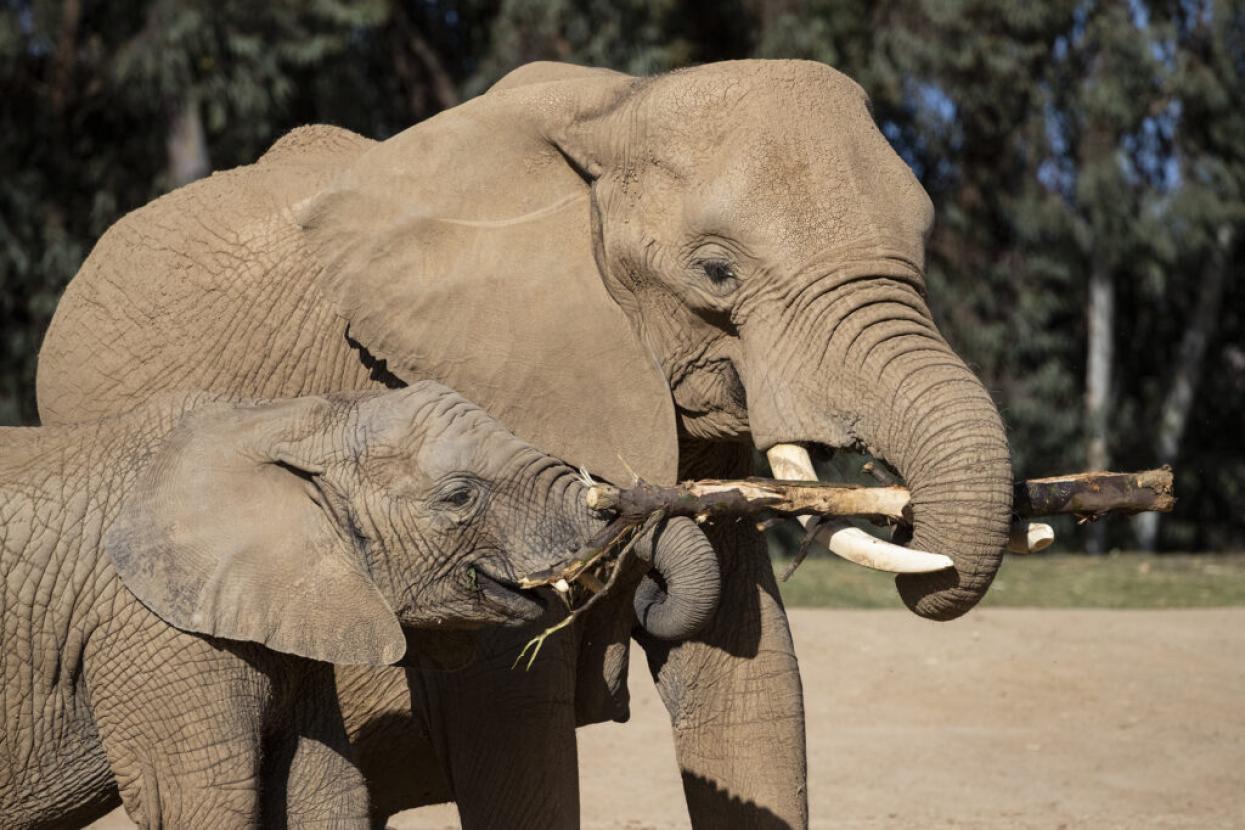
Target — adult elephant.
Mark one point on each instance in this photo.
(635, 274)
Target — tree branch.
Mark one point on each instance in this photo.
(1087, 495)
(1092, 495)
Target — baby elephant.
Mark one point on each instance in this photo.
(167, 572)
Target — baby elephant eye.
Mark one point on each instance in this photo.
(458, 497)
(458, 494)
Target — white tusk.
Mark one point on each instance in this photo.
(854, 545)
(792, 462)
(561, 586)
(1030, 537)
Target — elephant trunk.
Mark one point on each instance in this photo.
(897, 389)
(680, 594)
(953, 454)
(937, 424)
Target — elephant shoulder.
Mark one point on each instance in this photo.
(315, 144)
(226, 226)
(541, 72)
(245, 208)
(175, 288)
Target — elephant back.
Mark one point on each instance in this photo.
(197, 290)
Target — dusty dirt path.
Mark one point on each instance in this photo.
(1010, 718)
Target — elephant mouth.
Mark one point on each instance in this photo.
(793, 462)
(504, 595)
(711, 400)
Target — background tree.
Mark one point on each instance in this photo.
(1086, 160)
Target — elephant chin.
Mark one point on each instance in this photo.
(444, 650)
(682, 596)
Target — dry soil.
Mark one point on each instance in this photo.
(1009, 718)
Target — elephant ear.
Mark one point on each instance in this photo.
(228, 532)
(462, 251)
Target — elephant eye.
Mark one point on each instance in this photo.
(458, 494)
(719, 273)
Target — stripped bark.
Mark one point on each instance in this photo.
(717, 498)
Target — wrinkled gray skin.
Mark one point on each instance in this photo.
(305, 527)
(670, 270)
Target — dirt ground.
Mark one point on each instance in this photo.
(1010, 718)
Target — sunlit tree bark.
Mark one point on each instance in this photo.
(187, 144)
(1099, 361)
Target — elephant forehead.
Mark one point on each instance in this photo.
(428, 431)
(734, 87)
(469, 441)
(818, 185)
(790, 149)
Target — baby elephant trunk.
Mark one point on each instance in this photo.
(680, 594)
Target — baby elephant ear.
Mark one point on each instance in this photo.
(229, 532)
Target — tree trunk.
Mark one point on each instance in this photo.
(1182, 391)
(187, 144)
(1100, 358)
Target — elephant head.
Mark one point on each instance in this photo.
(323, 526)
(727, 252)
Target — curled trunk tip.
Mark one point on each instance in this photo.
(682, 596)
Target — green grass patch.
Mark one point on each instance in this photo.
(1120, 580)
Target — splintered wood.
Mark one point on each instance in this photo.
(1086, 495)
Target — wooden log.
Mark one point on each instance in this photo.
(1091, 495)
(1088, 495)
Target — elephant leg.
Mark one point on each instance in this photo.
(506, 736)
(311, 779)
(159, 792)
(734, 695)
(180, 720)
(391, 738)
